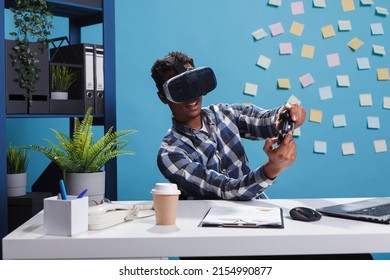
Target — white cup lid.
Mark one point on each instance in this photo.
(165, 189)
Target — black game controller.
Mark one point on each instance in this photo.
(286, 124)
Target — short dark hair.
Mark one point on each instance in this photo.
(160, 66)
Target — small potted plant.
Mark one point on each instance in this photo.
(81, 159)
(62, 78)
(17, 163)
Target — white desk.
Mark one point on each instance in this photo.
(143, 239)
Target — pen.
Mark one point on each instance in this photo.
(82, 193)
(63, 190)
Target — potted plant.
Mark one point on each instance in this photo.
(81, 159)
(32, 20)
(62, 78)
(17, 163)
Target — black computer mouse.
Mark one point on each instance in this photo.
(304, 214)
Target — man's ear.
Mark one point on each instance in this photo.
(162, 97)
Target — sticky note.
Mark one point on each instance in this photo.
(355, 44)
(275, 3)
(307, 51)
(343, 80)
(367, 2)
(333, 59)
(339, 121)
(376, 29)
(383, 74)
(348, 5)
(328, 31)
(386, 102)
(344, 25)
(297, 28)
(250, 89)
(320, 147)
(297, 8)
(264, 62)
(306, 80)
(348, 148)
(378, 50)
(373, 122)
(325, 93)
(285, 48)
(259, 34)
(381, 11)
(380, 146)
(319, 3)
(294, 100)
(315, 116)
(297, 132)
(276, 29)
(365, 99)
(363, 63)
(284, 83)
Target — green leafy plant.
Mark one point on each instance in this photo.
(32, 20)
(62, 78)
(17, 160)
(80, 154)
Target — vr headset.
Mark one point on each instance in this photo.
(190, 83)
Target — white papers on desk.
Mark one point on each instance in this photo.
(243, 216)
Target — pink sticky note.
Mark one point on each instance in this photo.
(333, 59)
(297, 8)
(306, 80)
(285, 48)
(276, 29)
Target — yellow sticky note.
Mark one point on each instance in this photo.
(348, 5)
(284, 83)
(383, 74)
(307, 51)
(315, 116)
(328, 31)
(297, 28)
(355, 44)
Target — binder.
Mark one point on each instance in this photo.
(243, 217)
(99, 79)
(79, 56)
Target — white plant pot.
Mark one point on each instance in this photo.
(95, 183)
(59, 95)
(16, 184)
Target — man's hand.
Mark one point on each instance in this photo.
(280, 157)
(297, 113)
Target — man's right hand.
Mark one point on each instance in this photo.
(280, 157)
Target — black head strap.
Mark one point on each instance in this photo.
(176, 63)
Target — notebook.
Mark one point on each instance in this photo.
(375, 210)
(243, 216)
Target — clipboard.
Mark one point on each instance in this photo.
(243, 217)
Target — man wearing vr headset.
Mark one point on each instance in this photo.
(202, 152)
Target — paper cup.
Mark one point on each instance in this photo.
(165, 197)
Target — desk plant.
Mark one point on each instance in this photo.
(17, 163)
(32, 21)
(80, 158)
(62, 78)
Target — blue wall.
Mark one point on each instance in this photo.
(220, 37)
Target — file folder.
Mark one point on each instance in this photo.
(99, 79)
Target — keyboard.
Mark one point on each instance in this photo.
(377, 211)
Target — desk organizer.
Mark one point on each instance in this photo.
(65, 217)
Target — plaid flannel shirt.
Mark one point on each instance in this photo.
(213, 164)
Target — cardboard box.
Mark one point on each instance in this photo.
(65, 217)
